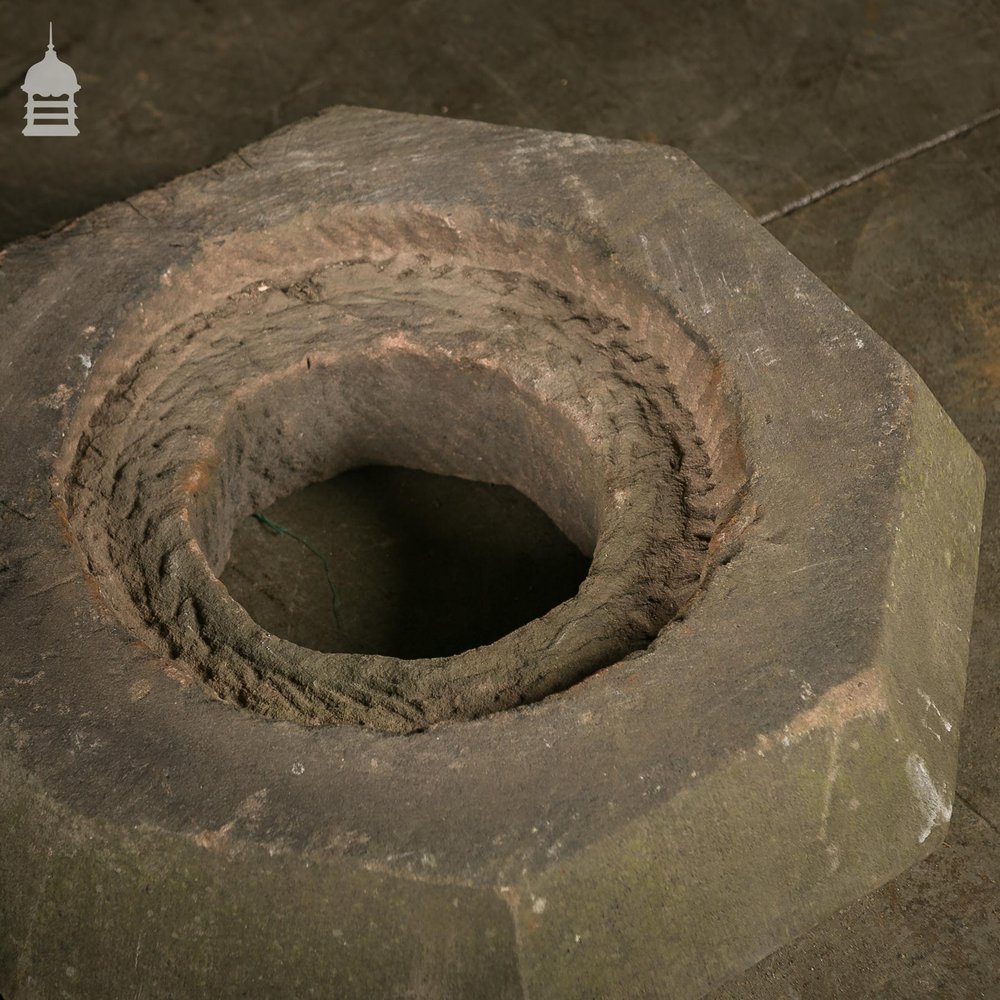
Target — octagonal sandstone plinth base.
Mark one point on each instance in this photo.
(745, 718)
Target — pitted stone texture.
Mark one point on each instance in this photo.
(781, 745)
(450, 367)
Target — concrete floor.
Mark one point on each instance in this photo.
(865, 135)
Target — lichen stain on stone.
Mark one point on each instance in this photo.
(139, 689)
(214, 840)
(57, 399)
(398, 341)
(198, 476)
(934, 802)
(862, 696)
(248, 813)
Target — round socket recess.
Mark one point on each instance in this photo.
(745, 718)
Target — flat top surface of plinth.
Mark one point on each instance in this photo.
(770, 108)
(844, 494)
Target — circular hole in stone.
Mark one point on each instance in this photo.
(613, 427)
(400, 562)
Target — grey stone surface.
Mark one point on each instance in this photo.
(914, 251)
(773, 754)
(157, 116)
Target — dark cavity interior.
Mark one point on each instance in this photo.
(442, 505)
(400, 562)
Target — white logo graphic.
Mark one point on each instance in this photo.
(55, 83)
